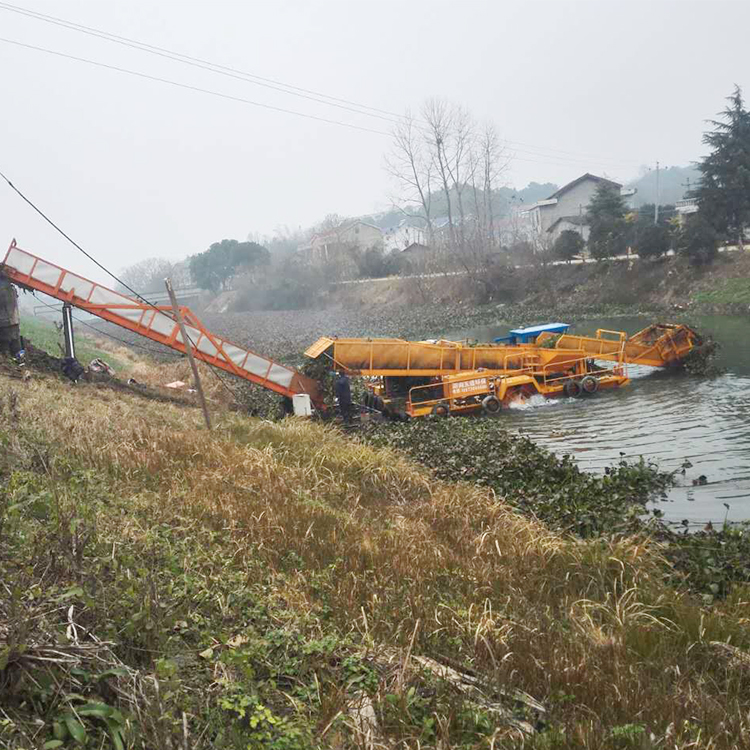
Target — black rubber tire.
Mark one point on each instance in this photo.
(491, 404)
(589, 385)
(572, 388)
(440, 410)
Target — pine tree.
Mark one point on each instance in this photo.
(568, 245)
(606, 217)
(652, 241)
(724, 192)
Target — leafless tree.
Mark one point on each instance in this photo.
(445, 150)
(440, 121)
(148, 275)
(412, 168)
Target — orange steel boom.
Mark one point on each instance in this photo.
(156, 322)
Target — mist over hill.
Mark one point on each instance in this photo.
(673, 185)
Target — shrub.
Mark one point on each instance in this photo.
(568, 245)
(698, 241)
(653, 242)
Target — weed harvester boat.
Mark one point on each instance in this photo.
(409, 378)
(417, 378)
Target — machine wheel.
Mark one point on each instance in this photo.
(572, 388)
(440, 410)
(491, 404)
(589, 385)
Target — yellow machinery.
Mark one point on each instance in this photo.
(443, 377)
(659, 345)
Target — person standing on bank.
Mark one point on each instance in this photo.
(10, 329)
(343, 391)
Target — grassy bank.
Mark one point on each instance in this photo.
(44, 335)
(637, 285)
(278, 585)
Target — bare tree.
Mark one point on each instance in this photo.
(445, 147)
(495, 162)
(412, 168)
(148, 275)
(439, 119)
(457, 150)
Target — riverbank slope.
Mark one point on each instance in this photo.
(723, 286)
(280, 585)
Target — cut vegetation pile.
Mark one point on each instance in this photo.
(281, 586)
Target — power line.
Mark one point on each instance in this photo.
(99, 331)
(207, 64)
(198, 63)
(103, 268)
(552, 160)
(309, 94)
(192, 88)
(73, 242)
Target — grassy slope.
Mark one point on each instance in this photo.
(44, 335)
(642, 284)
(247, 587)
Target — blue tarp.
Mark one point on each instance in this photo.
(526, 335)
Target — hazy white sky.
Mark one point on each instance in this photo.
(133, 168)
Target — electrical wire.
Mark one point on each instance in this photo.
(551, 160)
(190, 87)
(106, 270)
(317, 96)
(101, 332)
(205, 64)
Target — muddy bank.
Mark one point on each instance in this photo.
(723, 287)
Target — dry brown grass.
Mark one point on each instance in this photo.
(371, 544)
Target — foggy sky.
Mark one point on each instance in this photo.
(133, 168)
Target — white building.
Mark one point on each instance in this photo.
(409, 231)
(351, 235)
(567, 207)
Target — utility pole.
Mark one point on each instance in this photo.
(688, 191)
(70, 346)
(656, 204)
(188, 351)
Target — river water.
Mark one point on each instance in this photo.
(675, 420)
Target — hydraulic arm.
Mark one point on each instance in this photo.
(659, 345)
(156, 322)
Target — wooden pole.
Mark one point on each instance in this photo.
(188, 351)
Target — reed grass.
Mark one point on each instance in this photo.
(271, 584)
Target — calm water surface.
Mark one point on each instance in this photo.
(665, 417)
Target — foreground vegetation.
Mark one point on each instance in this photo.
(554, 490)
(280, 585)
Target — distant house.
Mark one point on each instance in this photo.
(567, 207)
(410, 230)
(684, 208)
(329, 245)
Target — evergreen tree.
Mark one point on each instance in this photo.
(652, 241)
(697, 240)
(724, 192)
(606, 217)
(568, 245)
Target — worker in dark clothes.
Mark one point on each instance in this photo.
(343, 391)
(10, 334)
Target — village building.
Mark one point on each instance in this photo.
(410, 230)
(567, 207)
(334, 243)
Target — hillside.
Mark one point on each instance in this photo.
(282, 585)
(673, 185)
(577, 288)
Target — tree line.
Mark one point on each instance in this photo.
(449, 168)
(722, 197)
